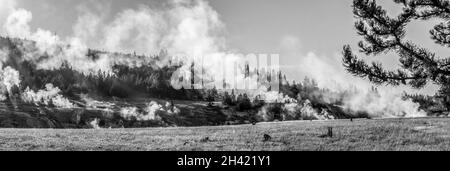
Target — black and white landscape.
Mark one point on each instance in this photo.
(224, 75)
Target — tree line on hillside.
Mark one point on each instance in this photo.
(150, 81)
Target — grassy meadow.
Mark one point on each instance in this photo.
(366, 135)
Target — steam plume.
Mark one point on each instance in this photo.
(384, 102)
(49, 96)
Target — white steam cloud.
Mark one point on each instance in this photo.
(186, 29)
(384, 102)
(9, 77)
(150, 112)
(49, 96)
(6, 8)
(95, 124)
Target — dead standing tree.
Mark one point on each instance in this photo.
(383, 34)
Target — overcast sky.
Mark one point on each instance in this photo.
(293, 28)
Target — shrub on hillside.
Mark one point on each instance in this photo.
(243, 103)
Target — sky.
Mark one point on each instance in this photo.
(308, 34)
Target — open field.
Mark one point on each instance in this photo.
(387, 134)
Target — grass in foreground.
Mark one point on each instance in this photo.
(388, 134)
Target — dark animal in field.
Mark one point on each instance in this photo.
(329, 134)
(206, 139)
(267, 137)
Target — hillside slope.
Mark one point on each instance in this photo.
(53, 90)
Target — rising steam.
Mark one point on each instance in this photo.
(188, 29)
(149, 113)
(49, 96)
(384, 102)
(95, 124)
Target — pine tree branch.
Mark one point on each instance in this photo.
(441, 34)
(375, 72)
(382, 33)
